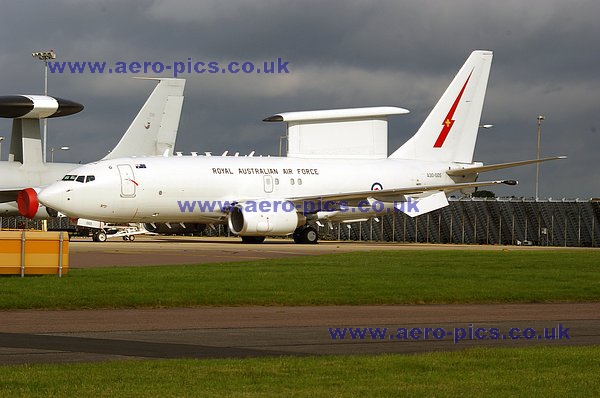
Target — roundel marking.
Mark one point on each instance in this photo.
(376, 187)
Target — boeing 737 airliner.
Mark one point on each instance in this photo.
(265, 196)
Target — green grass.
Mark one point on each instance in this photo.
(388, 277)
(495, 372)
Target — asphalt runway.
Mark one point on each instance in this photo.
(238, 332)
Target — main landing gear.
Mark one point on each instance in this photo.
(305, 235)
(302, 235)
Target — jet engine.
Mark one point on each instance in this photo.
(262, 223)
(30, 207)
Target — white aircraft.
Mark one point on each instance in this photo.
(265, 196)
(152, 132)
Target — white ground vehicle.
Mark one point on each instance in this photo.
(101, 231)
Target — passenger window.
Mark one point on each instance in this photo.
(90, 178)
(277, 181)
(292, 181)
(299, 181)
(80, 179)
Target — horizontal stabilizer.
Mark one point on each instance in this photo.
(480, 169)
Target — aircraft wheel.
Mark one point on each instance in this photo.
(126, 237)
(306, 235)
(100, 236)
(131, 238)
(297, 235)
(310, 235)
(253, 239)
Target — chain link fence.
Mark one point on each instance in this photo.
(506, 221)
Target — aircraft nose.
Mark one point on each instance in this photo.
(52, 197)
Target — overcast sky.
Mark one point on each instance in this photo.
(340, 54)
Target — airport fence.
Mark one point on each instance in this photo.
(54, 224)
(506, 221)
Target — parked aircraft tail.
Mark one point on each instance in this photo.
(450, 131)
(154, 129)
(26, 112)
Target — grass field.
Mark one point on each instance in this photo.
(536, 371)
(390, 277)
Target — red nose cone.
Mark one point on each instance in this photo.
(28, 202)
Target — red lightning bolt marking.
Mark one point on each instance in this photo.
(448, 121)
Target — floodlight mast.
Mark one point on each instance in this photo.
(62, 148)
(540, 119)
(45, 56)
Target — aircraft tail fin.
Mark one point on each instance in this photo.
(154, 129)
(450, 131)
(26, 143)
(26, 112)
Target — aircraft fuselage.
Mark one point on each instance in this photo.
(157, 189)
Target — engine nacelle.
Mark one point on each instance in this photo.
(175, 229)
(263, 223)
(30, 207)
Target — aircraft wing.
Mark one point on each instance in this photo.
(473, 170)
(387, 195)
(9, 194)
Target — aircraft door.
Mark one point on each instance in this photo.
(268, 183)
(128, 183)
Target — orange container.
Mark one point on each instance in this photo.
(34, 253)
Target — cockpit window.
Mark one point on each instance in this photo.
(71, 177)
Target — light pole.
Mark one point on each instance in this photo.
(45, 56)
(62, 148)
(1, 139)
(540, 118)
